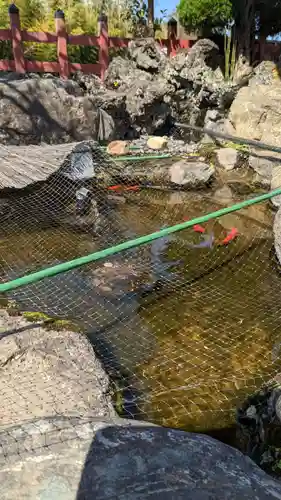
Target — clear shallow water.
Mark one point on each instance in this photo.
(203, 336)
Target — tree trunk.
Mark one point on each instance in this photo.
(244, 30)
(150, 17)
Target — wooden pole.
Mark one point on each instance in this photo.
(103, 44)
(16, 38)
(62, 44)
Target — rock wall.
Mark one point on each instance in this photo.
(143, 93)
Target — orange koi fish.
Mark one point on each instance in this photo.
(120, 187)
(230, 236)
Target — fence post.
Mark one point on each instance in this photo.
(16, 38)
(103, 44)
(62, 44)
(172, 36)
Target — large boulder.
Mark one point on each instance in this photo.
(48, 372)
(35, 110)
(148, 104)
(199, 86)
(100, 458)
(159, 89)
(202, 59)
(255, 114)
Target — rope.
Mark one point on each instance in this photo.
(143, 240)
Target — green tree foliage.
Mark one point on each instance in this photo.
(247, 19)
(211, 15)
(204, 15)
(81, 17)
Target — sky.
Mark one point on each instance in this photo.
(170, 5)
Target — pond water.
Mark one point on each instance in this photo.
(190, 331)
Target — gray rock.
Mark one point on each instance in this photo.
(191, 174)
(121, 73)
(57, 373)
(255, 113)
(263, 166)
(206, 50)
(222, 125)
(228, 158)
(147, 107)
(223, 194)
(147, 54)
(158, 89)
(258, 422)
(102, 459)
(212, 115)
(90, 83)
(277, 234)
(46, 110)
(276, 183)
(146, 99)
(264, 74)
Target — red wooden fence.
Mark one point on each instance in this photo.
(62, 39)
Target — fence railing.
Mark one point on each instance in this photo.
(62, 39)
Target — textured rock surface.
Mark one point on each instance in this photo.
(228, 158)
(158, 89)
(146, 54)
(48, 110)
(47, 372)
(277, 234)
(263, 165)
(191, 174)
(113, 459)
(276, 183)
(259, 423)
(255, 113)
(266, 73)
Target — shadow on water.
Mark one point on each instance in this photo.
(186, 333)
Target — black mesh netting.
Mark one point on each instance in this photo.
(186, 327)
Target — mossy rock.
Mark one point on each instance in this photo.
(49, 322)
(58, 324)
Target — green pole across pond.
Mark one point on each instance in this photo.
(121, 247)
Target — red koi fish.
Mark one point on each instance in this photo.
(114, 188)
(199, 229)
(131, 188)
(230, 237)
(119, 187)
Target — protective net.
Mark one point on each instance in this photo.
(186, 327)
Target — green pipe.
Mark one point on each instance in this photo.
(133, 148)
(121, 247)
(142, 158)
